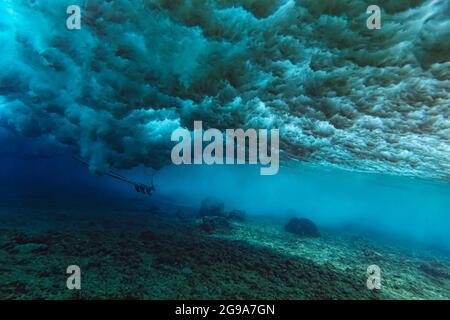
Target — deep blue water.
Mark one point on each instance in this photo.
(411, 209)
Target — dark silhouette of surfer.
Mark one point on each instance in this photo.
(138, 186)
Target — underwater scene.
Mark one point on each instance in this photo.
(224, 150)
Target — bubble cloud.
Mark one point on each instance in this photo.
(341, 94)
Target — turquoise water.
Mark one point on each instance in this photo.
(410, 209)
(363, 119)
(54, 213)
(414, 209)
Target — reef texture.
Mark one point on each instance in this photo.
(131, 252)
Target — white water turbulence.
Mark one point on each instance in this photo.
(341, 94)
(116, 156)
(375, 103)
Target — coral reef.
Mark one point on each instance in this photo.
(130, 253)
(302, 227)
(214, 218)
(212, 207)
(212, 224)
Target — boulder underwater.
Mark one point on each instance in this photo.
(214, 217)
(211, 206)
(302, 227)
(212, 224)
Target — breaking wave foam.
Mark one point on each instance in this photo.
(342, 95)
